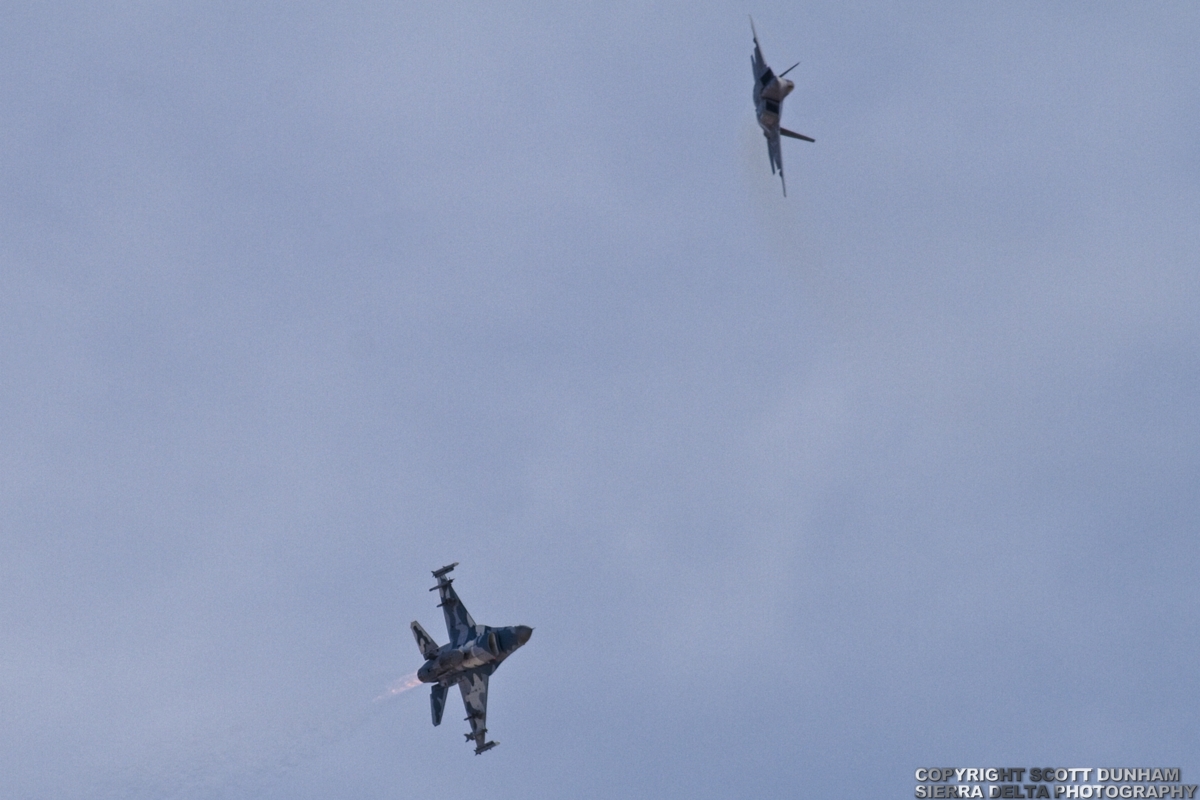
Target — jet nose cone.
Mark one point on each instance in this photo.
(523, 633)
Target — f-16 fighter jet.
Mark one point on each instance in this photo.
(470, 657)
(769, 91)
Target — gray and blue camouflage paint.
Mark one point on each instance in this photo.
(468, 659)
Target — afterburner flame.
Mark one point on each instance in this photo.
(409, 681)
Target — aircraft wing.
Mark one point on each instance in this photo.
(762, 73)
(459, 623)
(474, 694)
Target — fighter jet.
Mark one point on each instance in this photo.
(468, 659)
(769, 91)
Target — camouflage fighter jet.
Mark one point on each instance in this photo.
(769, 91)
(470, 657)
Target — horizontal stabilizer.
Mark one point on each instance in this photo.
(425, 642)
(795, 135)
(437, 702)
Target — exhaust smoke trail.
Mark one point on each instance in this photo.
(400, 686)
(244, 752)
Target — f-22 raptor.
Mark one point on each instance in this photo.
(769, 91)
(468, 659)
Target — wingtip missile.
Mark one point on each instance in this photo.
(438, 573)
(484, 748)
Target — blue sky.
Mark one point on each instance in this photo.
(298, 303)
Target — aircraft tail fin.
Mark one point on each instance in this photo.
(437, 702)
(795, 135)
(425, 642)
